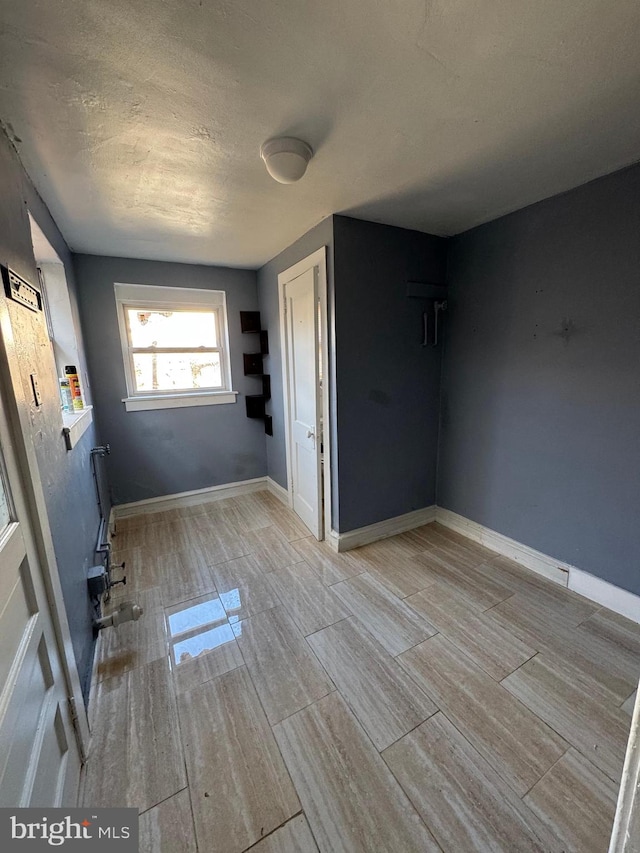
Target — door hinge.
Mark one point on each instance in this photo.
(73, 708)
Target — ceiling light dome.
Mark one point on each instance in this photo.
(286, 158)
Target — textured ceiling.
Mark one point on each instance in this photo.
(140, 121)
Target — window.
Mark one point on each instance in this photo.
(62, 324)
(175, 346)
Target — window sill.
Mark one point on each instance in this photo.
(178, 401)
(75, 424)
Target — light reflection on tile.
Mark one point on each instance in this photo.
(231, 600)
(190, 618)
(190, 648)
(197, 627)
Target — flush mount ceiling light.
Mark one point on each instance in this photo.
(286, 158)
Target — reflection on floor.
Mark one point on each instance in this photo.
(421, 693)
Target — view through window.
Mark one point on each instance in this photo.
(175, 350)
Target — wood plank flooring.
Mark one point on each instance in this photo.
(417, 694)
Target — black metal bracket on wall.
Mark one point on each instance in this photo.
(437, 295)
(254, 366)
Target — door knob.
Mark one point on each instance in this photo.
(310, 433)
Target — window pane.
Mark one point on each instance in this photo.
(172, 328)
(177, 371)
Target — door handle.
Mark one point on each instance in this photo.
(311, 434)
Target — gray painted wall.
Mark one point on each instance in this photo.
(541, 401)
(388, 384)
(66, 477)
(167, 451)
(321, 235)
(385, 385)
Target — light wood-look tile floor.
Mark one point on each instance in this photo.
(421, 693)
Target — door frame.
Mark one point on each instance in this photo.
(37, 523)
(317, 260)
(627, 817)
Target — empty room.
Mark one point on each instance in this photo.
(320, 426)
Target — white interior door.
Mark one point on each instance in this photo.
(301, 307)
(39, 754)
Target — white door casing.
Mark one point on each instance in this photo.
(43, 724)
(303, 393)
(625, 836)
(303, 301)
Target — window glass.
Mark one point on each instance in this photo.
(170, 329)
(163, 371)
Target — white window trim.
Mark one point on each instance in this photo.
(178, 401)
(75, 424)
(158, 297)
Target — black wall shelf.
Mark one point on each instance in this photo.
(253, 366)
(250, 321)
(255, 406)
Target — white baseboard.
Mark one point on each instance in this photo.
(331, 538)
(552, 569)
(198, 496)
(600, 591)
(381, 530)
(607, 594)
(278, 491)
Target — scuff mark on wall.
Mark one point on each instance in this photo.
(567, 330)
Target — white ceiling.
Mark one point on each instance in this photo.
(140, 121)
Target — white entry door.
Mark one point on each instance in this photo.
(302, 400)
(39, 753)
